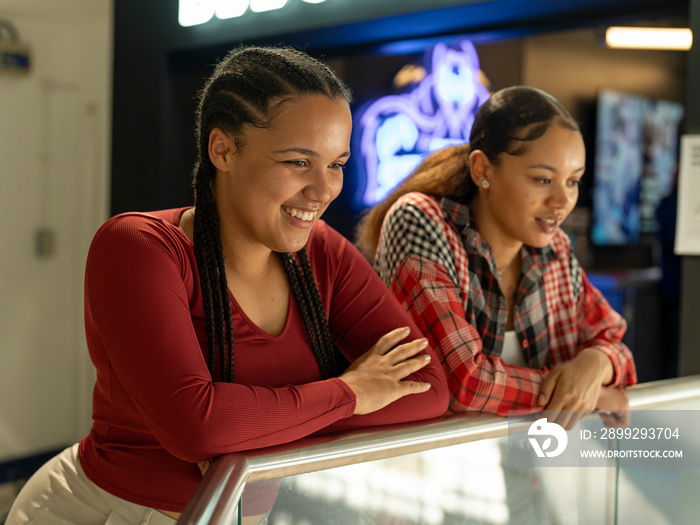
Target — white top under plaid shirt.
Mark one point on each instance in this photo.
(435, 261)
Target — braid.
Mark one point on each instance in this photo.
(317, 304)
(210, 260)
(308, 299)
(309, 310)
(246, 88)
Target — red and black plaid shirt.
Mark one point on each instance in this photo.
(434, 260)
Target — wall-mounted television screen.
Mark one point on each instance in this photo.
(636, 155)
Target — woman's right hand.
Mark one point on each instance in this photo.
(376, 377)
(571, 390)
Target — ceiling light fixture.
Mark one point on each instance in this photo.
(649, 38)
(195, 12)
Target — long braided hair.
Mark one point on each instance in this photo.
(239, 93)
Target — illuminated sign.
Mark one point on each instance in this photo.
(397, 131)
(195, 12)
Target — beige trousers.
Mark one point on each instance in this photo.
(60, 493)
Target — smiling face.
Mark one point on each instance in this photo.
(529, 195)
(273, 188)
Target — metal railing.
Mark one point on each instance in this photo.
(215, 500)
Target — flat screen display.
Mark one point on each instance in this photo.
(636, 155)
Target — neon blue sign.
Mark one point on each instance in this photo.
(397, 131)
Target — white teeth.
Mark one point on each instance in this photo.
(303, 215)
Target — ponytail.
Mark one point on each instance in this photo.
(444, 173)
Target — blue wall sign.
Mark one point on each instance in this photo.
(397, 131)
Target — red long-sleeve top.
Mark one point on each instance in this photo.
(157, 411)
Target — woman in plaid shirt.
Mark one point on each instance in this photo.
(470, 243)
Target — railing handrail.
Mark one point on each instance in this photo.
(215, 499)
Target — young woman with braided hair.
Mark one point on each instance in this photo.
(214, 328)
(470, 244)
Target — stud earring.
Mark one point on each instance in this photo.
(485, 183)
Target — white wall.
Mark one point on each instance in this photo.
(54, 157)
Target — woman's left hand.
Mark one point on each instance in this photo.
(614, 406)
(572, 389)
